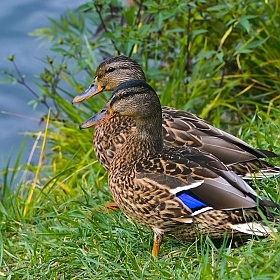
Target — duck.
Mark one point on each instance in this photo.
(179, 127)
(178, 191)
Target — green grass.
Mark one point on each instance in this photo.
(69, 237)
(64, 234)
(223, 66)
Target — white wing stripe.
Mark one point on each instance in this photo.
(201, 210)
(186, 187)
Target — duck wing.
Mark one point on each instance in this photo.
(199, 180)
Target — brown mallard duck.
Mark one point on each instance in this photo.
(179, 127)
(179, 191)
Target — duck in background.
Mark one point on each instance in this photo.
(179, 127)
(180, 191)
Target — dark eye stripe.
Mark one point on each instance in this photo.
(112, 69)
(122, 95)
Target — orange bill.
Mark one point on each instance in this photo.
(93, 89)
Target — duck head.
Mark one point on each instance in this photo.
(111, 73)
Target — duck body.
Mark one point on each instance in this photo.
(179, 191)
(180, 128)
(152, 195)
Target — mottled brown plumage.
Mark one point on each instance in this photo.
(180, 191)
(179, 127)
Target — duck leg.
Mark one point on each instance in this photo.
(111, 205)
(107, 207)
(157, 242)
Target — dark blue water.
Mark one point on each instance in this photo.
(17, 18)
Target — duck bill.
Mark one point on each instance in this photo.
(95, 120)
(93, 89)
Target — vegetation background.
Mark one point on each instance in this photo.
(218, 59)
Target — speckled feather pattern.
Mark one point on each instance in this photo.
(109, 137)
(178, 130)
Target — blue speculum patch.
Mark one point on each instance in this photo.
(193, 203)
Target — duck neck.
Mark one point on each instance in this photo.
(145, 141)
(148, 134)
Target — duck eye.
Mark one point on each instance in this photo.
(110, 69)
(126, 94)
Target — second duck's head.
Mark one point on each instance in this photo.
(135, 99)
(111, 73)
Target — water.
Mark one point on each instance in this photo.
(17, 18)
